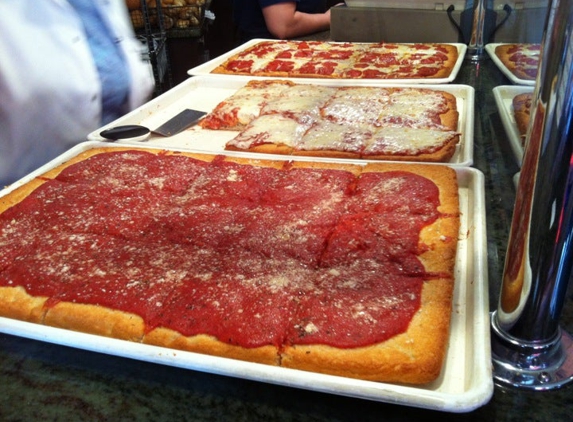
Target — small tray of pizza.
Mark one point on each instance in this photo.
(519, 62)
(319, 118)
(514, 105)
(357, 279)
(352, 62)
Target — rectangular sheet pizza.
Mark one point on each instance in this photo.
(364, 122)
(522, 60)
(339, 269)
(323, 59)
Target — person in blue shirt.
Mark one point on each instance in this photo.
(280, 19)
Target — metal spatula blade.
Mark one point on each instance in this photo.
(179, 122)
(173, 126)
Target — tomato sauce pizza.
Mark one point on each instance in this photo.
(340, 269)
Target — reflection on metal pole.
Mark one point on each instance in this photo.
(476, 45)
(529, 349)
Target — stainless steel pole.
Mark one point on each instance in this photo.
(529, 350)
(476, 45)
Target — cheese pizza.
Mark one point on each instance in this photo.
(522, 60)
(376, 123)
(339, 269)
(322, 59)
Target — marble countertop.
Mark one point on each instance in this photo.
(42, 381)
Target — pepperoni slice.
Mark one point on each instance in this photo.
(280, 66)
(240, 65)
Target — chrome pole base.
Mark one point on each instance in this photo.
(537, 367)
(475, 54)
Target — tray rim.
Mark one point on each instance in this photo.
(138, 116)
(479, 385)
(490, 49)
(207, 67)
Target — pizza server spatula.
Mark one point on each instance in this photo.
(173, 126)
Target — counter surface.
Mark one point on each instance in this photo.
(41, 381)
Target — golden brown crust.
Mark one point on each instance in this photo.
(450, 118)
(326, 154)
(16, 303)
(441, 155)
(415, 356)
(279, 149)
(211, 346)
(95, 319)
(502, 52)
(450, 63)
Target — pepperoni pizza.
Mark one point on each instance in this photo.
(322, 59)
(340, 269)
(522, 60)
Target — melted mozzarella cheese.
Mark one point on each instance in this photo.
(271, 128)
(327, 135)
(300, 99)
(396, 140)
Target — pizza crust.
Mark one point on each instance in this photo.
(16, 303)
(442, 155)
(450, 63)
(95, 319)
(415, 356)
(209, 345)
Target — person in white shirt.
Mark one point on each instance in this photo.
(67, 67)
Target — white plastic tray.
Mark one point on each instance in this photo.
(208, 67)
(466, 380)
(205, 92)
(503, 95)
(490, 48)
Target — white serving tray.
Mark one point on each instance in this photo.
(205, 92)
(207, 67)
(503, 95)
(490, 48)
(466, 380)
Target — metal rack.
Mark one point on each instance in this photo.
(151, 31)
